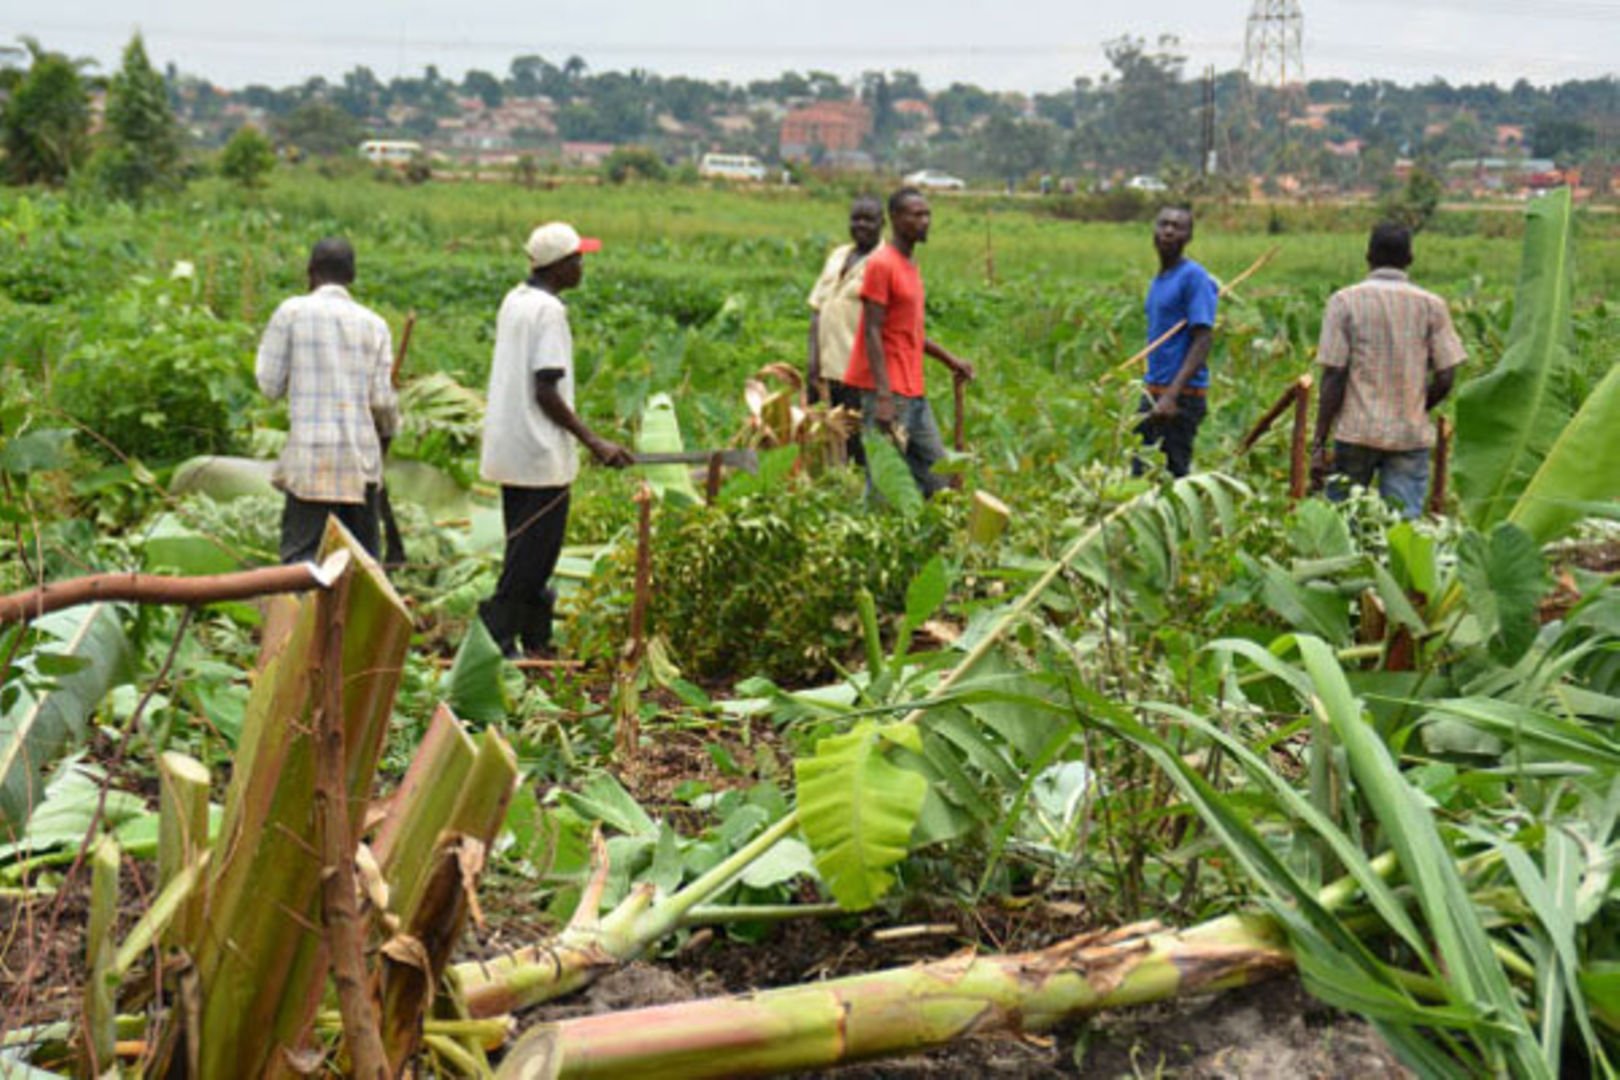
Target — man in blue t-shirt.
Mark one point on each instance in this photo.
(1177, 375)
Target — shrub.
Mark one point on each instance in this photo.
(248, 158)
(634, 161)
(766, 584)
(158, 375)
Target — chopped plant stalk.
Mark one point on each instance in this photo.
(182, 836)
(100, 1007)
(259, 956)
(905, 1010)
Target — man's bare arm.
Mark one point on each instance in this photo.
(552, 404)
(1439, 388)
(1203, 337)
(960, 368)
(874, 315)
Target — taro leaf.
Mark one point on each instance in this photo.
(1412, 561)
(787, 859)
(473, 684)
(661, 434)
(926, 592)
(857, 809)
(1503, 579)
(601, 798)
(1318, 531)
(1508, 419)
(891, 476)
(36, 451)
(171, 546)
(38, 727)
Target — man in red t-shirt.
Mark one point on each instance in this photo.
(887, 363)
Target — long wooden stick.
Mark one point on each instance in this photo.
(1442, 464)
(404, 346)
(1226, 290)
(1280, 406)
(1299, 466)
(30, 604)
(959, 398)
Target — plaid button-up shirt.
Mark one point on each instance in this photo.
(332, 359)
(1390, 334)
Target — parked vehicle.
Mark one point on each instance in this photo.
(1146, 183)
(731, 167)
(934, 180)
(390, 151)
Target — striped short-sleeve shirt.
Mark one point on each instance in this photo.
(1390, 335)
(332, 359)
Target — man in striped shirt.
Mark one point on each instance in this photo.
(1388, 356)
(332, 359)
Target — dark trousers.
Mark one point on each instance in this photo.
(524, 602)
(850, 398)
(1175, 435)
(303, 522)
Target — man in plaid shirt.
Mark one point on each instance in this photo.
(332, 359)
(1388, 355)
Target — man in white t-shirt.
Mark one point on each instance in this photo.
(530, 427)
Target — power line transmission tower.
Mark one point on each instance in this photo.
(1274, 46)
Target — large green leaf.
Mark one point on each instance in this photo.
(473, 685)
(38, 727)
(1504, 579)
(1581, 472)
(1508, 420)
(661, 434)
(857, 809)
(891, 476)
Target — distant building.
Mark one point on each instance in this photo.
(587, 154)
(827, 127)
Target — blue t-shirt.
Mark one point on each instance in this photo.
(1185, 291)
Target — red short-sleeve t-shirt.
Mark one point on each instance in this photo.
(893, 281)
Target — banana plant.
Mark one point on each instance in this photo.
(1525, 452)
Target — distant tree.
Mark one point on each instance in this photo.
(1562, 138)
(526, 76)
(961, 103)
(248, 158)
(1012, 149)
(634, 162)
(46, 121)
(1415, 203)
(906, 84)
(1150, 117)
(143, 147)
(826, 86)
(484, 86)
(318, 128)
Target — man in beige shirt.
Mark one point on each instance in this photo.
(835, 312)
(1388, 355)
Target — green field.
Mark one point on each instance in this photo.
(1147, 700)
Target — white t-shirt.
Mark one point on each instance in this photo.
(523, 447)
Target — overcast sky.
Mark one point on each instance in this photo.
(1029, 45)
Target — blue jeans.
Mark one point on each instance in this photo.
(1403, 475)
(924, 445)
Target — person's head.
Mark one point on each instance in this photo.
(866, 222)
(909, 216)
(331, 262)
(556, 255)
(1172, 232)
(1389, 247)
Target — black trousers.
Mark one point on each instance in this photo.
(524, 603)
(1174, 435)
(303, 522)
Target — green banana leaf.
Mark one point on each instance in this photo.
(857, 809)
(86, 656)
(224, 478)
(661, 434)
(1580, 476)
(1509, 420)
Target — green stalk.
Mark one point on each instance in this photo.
(182, 836)
(260, 956)
(904, 1010)
(100, 1006)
